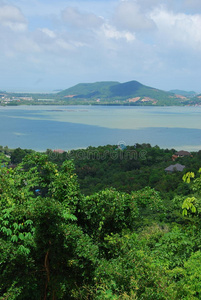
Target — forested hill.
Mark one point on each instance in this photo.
(132, 92)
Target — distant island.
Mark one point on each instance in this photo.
(131, 93)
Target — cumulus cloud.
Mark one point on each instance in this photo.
(12, 17)
(129, 16)
(78, 19)
(178, 29)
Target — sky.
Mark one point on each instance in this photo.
(48, 45)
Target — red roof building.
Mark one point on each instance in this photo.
(59, 151)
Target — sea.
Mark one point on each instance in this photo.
(74, 127)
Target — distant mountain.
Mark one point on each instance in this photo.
(184, 93)
(111, 92)
(89, 89)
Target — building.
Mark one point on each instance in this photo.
(175, 168)
(181, 153)
(59, 151)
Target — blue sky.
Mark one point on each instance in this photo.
(48, 45)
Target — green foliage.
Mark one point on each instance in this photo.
(151, 234)
(148, 198)
(18, 154)
(187, 177)
(39, 244)
(127, 170)
(65, 187)
(193, 204)
(131, 274)
(4, 160)
(107, 211)
(188, 204)
(173, 248)
(150, 205)
(188, 278)
(56, 243)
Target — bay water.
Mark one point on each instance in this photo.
(73, 127)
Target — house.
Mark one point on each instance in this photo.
(176, 167)
(59, 151)
(181, 153)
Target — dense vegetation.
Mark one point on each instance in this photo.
(131, 169)
(100, 242)
(126, 170)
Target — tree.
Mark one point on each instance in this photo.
(108, 211)
(130, 273)
(44, 252)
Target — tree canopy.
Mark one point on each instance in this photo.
(57, 243)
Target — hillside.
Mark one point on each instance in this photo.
(111, 92)
(195, 100)
(88, 89)
(187, 94)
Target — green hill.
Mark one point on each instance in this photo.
(89, 89)
(188, 94)
(111, 92)
(125, 89)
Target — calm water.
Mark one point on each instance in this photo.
(72, 127)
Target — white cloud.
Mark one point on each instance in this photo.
(79, 19)
(129, 16)
(12, 17)
(178, 29)
(51, 34)
(56, 42)
(62, 44)
(111, 33)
